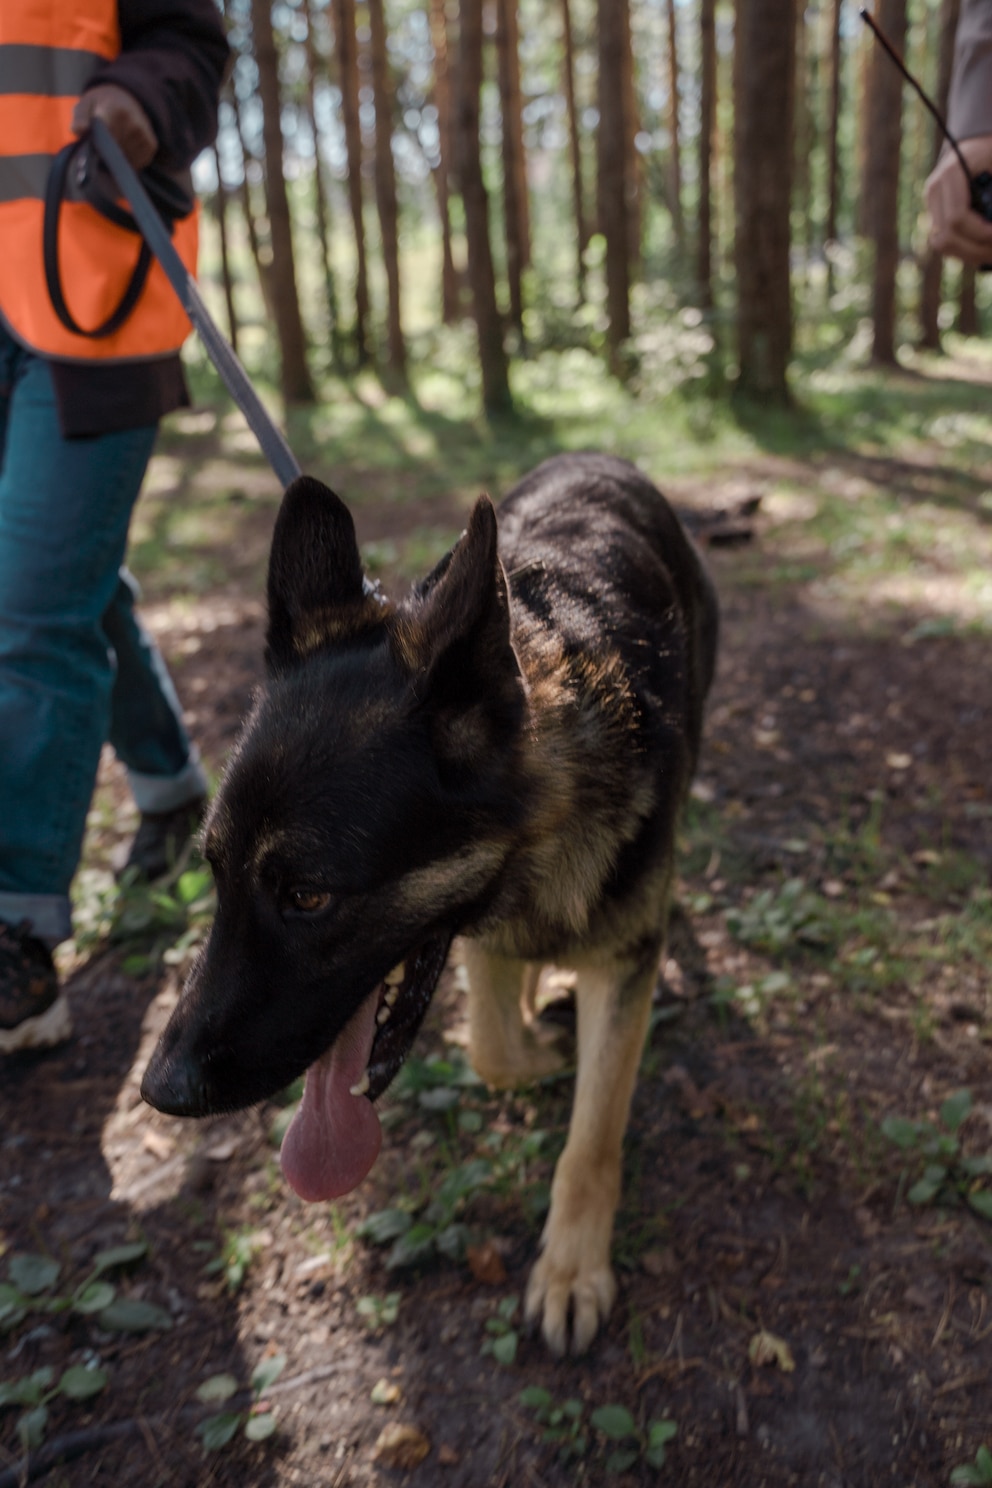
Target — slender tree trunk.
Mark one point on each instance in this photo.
(248, 159)
(882, 179)
(933, 263)
(220, 212)
(263, 266)
(492, 354)
(511, 99)
(764, 78)
(385, 187)
(675, 127)
(968, 324)
(614, 215)
(631, 125)
(802, 131)
(575, 150)
(347, 48)
(707, 121)
(514, 202)
(314, 67)
(295, 377)
(450, 287)
(833, 141)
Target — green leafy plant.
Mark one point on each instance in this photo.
(169, 919)
(502, 1337)
(616, 1424)
(31, 1288)
(257, 1423)
(35, 1392)
(379, 1312)
(948, 1175)
(975, 1473)
(239, 1250)
(416, 1235)
(566, 1427)
(563, 1422)
(774, 920)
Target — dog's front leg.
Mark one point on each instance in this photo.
(573, 1277)
(503, 1050)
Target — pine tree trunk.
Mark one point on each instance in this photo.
(314, 67)
(492, 354)
(833, 141)
(882, 179)
(262, 265)
(347, 52)
(675, 126)
(514, 199)
(968, 324)
(707, 120)
(614, 216)
(450, 286)
(294, 376)
(802, 128)
(220, 212)
(244, 188)
(632, 158)
(764, 79)
(933, 263)
(385, 188)
(575, 150)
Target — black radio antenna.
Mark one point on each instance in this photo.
(941, 122)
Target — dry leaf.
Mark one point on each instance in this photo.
(158, 1144)
(447, 1456)
(486, 1263)
(767, 1348)
(386, 1392)
(400, 1446)
(659, 1262)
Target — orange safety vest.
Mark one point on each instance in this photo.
(49, 49)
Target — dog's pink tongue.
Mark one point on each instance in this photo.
(335, 1136)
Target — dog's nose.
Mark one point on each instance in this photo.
(176, 1086)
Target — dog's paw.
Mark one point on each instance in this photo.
(530, 1056)
(569, 1299)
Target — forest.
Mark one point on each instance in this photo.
(449, 239)
(571, 174)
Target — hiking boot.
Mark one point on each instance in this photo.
(161, 840)
(34, 1011)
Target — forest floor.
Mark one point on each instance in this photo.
(805, 1271)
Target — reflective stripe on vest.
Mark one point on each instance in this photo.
(49, 49)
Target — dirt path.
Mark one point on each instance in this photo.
(782, 1302)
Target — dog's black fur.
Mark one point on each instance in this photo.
(502, 757)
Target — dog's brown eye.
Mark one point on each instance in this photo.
(308, 901)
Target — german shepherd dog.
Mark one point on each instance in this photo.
(501, 756)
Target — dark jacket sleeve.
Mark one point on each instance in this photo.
(970, 108)
(173, 58)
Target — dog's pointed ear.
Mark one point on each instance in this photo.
(457, 641)
(316, 589)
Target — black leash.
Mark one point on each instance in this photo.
(156, 237)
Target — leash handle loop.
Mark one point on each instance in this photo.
(54, 197)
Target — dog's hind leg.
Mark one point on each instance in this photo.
(503, 1049)
(571, 1288)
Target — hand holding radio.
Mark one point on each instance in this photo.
(961, 209)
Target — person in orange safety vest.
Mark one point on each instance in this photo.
(90, 332)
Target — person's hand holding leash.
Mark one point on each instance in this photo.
(958, 231)
(123, 116)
